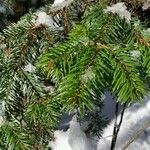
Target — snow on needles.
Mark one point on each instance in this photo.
(2, 9)
(119, 9)
(56, 2)
(146, 5)
(43, 18)
(2, 112)
(30, 68)
(60, 4)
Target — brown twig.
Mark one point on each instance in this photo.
(136, 134)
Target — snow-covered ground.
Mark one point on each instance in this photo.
(73, 139)
(134, 118)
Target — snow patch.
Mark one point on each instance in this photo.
(73, 139)
(61, 141)
(119, 9)
(2, 9)
(134, 117)
(146, 32)
(29, 68)
(60, 4)
(44, 19)
(87, 76)
(50, 89)
(56, 2)
(146, 5)
(135, 54)
(2, 112)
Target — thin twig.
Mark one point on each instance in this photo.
(113, 143)
(136, 134)
(117, 126)
(121, 118)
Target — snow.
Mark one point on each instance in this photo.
(73, 139)
(2, 112)
(3, 46)
(75, 132)
(146, 5)
(134, 118)
(44, 19)
(50, 89)
(120, 9)
(60, 4)
(56, 2)
(61, 141)
(135, 54)
(2, 8)
(29, 68)
(146, 32)
(87, 76)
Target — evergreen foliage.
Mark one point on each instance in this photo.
(92, 51)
